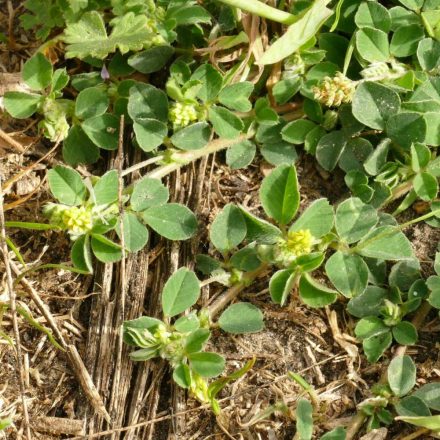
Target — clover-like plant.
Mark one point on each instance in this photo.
(181, 341)
(350, 240)
(38, 76)
(88, 211)
(395, 397)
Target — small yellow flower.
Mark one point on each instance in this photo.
(333, 92)
(300, 242)
(297, 243)
(78, 220)
(182, 114)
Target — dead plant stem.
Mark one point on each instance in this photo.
(13, 306)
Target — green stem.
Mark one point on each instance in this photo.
(420, 219)
(261, 9)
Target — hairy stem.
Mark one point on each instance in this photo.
(220, 303)
(183, 158)
(261, 9)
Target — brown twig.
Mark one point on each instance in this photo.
(13, 306)
(122, 272)
(12, 142)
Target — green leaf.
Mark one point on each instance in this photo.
(241, 318)
(432, 422)
(315, 294)
(369, 327)
(241, 154)
(406, 128)
(279, 194)
(330, 148)
(373, 15)
(368, 303)
(406, 39)
(386, 243)
(172, 221)
(354, 154)
(318, 218)
(279, 153)
(135, 233)
(428, 54)
(405, 333)
(298, 33)
(196, 340)
(105, 250)
(103, 131)
(106, 189)
(152, 59)
(21, 105)
(211, 82)
(225, 123)
(187, 323)
(150, 133)
(78, 148)
(285, 89)
(412, 406)
(144, 354)
(188, 14)
(147, 101)
(348, 273)
(207, 264)
(260, 230)
(374, 103)
(88, 36)
(228, 229)
(37, 72)
(426, 186)
(66, 185)
(376, 346)
(280, 285)
(134, 329)
(181, 291)
(295, 132)
(81, 254)
(372, 45)
(354, 219)
(304, 419)
(148, 192)
(401, 375)
(420, 156)
(207, 364)
(236, 96)
(430, 394)
(59, 80)
(193, 137)
(91, 102)
(335, 434)
(246, 259)
(182, 375)
(432, 136)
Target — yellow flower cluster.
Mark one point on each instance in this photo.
(299, 242)
(333, 92)
(296, 244)
(78, 220)
(182, 114)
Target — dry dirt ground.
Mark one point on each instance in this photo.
(84, 313)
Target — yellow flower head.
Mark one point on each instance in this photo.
(299, 242)
(333, 92)
(182, 114)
